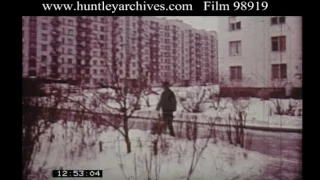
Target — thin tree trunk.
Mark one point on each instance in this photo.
(126, 132)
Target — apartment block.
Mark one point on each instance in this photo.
(260, 52)
(95, 50)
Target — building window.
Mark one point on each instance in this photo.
(44, 58)
(69, 70)
(235, 48)
(32, 63)
(94, 71)
(94, 62)
(133, 72)
(44, 47)
(44, 70)
(234, 24)
(33, 45)
(33, 35)
(69, 61)
(70, 31)
(70, 22)
(70, 41)
(44, 37)
(235, 73)
(279, 71)
(101, 71)
(32, 73)
(44, 26)
(278, 43)
(70, 51)
(278, 20)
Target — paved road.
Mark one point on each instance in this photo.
(285, 147)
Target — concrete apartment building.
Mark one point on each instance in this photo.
(260, 52)
(94, 49)
(186, 55)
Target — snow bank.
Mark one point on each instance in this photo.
(219, 160)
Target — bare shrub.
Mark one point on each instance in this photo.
(41, 115)
(193, 100)
(236, 121)
(145, 163)
(294, 107)
(198, 146)
(125, 94)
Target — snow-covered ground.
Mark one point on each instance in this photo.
(218, 161)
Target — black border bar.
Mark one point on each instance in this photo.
(155, 8)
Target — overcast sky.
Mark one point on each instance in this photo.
(199, 22)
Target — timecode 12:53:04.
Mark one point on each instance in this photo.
(77, 173)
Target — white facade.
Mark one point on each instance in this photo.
(261, 49)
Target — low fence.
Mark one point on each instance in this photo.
(182, 119)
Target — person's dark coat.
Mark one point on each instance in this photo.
(168, 101)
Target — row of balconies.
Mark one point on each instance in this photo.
(55, 33)
(55, 43)
(55, 53)
(86, 57)
(83, 20)
(84, 29)
(87, 48)
(55, 22)
(81, 38)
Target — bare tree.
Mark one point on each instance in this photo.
(238, 115)
(199, 144)
(125, 93)
(40, 115)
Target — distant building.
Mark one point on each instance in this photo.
(260, 53)
(93, 49)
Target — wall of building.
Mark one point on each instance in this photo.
(257, 57)
(170, 50)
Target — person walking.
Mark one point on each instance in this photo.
(168, 104)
